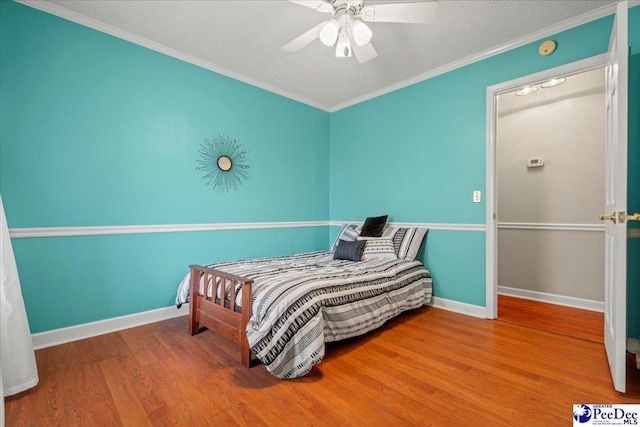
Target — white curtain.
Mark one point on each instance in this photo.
(17, 358)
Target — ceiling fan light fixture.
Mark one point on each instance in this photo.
(343, 48)
(361, 33)
(346, 25)
(329, 33)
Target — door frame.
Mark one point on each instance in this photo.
(588, 64)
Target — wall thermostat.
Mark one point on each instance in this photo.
(536, 162)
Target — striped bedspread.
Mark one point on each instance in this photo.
(300, 302)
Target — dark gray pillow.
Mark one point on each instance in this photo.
(350, 251)
(373, 226)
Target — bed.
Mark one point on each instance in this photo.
(283, 310)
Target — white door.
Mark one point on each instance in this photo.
(615, 298)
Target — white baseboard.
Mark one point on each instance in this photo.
(584, 304)
(460, 307)
(92, 329)
(633, 345)
(87, 330)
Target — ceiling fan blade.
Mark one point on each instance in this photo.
(363, 53)
(319, 5)
(303, 40)
(406, 13)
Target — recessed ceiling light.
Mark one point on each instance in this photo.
(526, 90)
(553, 82)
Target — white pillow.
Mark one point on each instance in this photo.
(378, 248)
(406, 240)
(348, 232)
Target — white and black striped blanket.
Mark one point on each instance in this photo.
(300, 302)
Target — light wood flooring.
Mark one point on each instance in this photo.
(427, 367)
(573, 322)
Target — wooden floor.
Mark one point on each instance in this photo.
(428, 367)
(573, 322)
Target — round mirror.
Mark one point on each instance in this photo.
(224, 163)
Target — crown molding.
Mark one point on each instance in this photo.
(94, 24)
(530, 38)
(133, 38)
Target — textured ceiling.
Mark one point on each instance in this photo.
(243, 39)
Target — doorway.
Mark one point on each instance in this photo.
(550, 187)
(616, 123)
(493, 92)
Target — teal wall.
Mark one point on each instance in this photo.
(97, 131)
(419, 152)
(73, 280)
(100, 131)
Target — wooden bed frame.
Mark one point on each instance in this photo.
(221, 318)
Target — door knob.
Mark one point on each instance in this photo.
(613, 217)
(634, 217)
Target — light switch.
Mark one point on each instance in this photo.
(477, 196)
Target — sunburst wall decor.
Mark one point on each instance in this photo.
(224, 163)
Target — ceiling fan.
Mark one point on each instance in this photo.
(346, 26)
